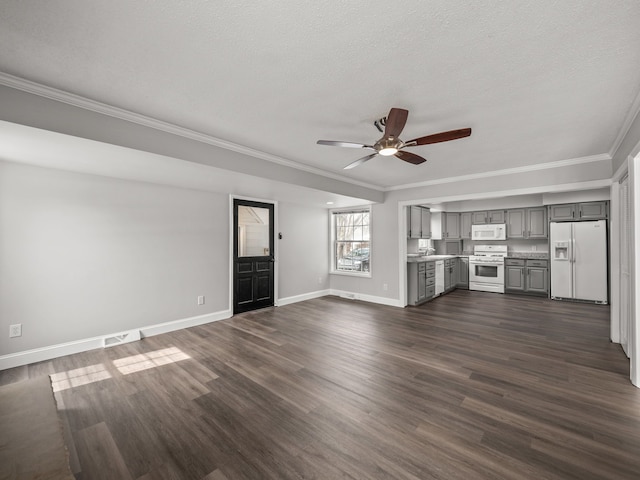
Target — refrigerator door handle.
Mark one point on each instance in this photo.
(573, 263)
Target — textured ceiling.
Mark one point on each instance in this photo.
(538, 81)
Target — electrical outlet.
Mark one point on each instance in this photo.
(385, 287)
(15, 330)
(201, 300)
(533, 247)
(319, 280)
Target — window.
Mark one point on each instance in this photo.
(351, 241)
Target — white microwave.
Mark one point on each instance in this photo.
(496, 231)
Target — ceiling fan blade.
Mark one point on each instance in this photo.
(333, 143)
(360, 161)
(410, 157)
(395, 122)
(439, 137)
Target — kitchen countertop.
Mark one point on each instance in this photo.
(535, 255)
(432, 258)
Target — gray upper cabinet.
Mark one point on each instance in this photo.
(465, 225)
(592, 210)
(451, 226)
(478, 218)
(425, 215)
(527, 223)
(414, 221)
(562, 212)
(496, 216)
(488, 216)
(578, 211)
(537, 225)
(418, 222)
(516, 223)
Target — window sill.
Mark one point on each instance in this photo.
(351, 274)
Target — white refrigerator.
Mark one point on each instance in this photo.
(579, 260)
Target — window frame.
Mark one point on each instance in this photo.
(333, 270)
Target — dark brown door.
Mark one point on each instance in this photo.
(253, 256)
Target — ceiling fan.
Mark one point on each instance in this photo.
(390, 143)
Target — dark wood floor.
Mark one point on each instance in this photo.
(470, 386)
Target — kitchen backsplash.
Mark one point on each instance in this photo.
(515, 245)
(519, 246)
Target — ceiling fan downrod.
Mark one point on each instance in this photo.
(381, 122)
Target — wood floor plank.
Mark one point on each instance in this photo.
(99, 455)
(472, 385)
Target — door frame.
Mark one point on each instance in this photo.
(276, 253)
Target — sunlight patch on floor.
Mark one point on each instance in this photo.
(79, 376)
(145, 361)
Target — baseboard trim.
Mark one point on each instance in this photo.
(392, 302)
(26, 357)
(166, 327)
(301, 298)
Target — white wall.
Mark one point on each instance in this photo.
(384, 259)
(303, 251)
(84, 256)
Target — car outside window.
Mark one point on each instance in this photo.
(351, 241)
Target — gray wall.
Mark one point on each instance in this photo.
(83, 255)
(303, 252)
(384, 256)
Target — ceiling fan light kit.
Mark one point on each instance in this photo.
(390, 144)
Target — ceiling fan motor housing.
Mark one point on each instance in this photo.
(388, 144)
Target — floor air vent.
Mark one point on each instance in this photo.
(120, 338)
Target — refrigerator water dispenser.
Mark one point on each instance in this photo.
(561, 251)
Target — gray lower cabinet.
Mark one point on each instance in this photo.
(421, 278)
(447, 275)
(538, 280)
(421, 281)
(463, 272)
(450, 273)
(529, 276)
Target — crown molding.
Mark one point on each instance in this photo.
(122, 114)
(126, 115)
(537, 190)
(632, 113)
(506, 171)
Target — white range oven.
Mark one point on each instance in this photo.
(486, 268)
